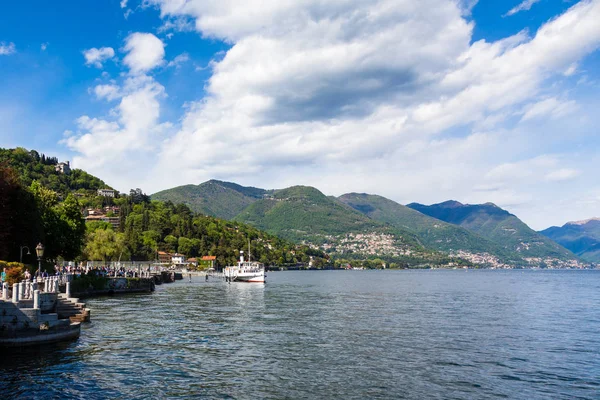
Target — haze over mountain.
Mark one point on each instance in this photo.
(497, 225)
(581, 237)
(480, 233)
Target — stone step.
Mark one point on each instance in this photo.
(67, 304)
(48, 318)
(84, 317)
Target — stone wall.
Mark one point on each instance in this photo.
(13, 318)
(117, 286)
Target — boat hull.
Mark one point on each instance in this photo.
(254, 279)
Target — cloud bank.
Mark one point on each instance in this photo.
(387, 96)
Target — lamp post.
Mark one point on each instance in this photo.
(39, 249)
(21, 253)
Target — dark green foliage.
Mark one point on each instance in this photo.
(497, 225)
(31, 166)
(581, 238)
(214, 198)
(20, 220)
(162, 226)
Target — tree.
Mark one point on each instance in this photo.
(105, 245)
(172, 242)
(72, 225)
(20, 222)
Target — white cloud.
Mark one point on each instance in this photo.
(522, 171)
(109, 92)
(386, 96)
(44, 46)
(551, 107)
(7, 48)
(96, 56)
(337, 74)
(180, 24)
(113, 145)
(525, 5)
(145, 52)
(132, 131)
(563, 174)
(180, 59)
(571, 70)
(123, 3)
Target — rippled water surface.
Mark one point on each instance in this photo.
(333, 334)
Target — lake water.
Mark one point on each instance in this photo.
(332, 335)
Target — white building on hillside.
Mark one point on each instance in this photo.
(177, 259)
(106, 192)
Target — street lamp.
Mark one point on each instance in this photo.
(39, 249)
(21, 253)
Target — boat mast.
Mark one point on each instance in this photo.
(249, 254)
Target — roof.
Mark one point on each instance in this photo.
(209, 258)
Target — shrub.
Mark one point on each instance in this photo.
(14, 272)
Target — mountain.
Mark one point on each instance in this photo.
(304, 214)
(499, 226)
(371, 225)
(431, 232)
(581, 237)
(215, 198)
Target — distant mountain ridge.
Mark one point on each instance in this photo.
(581, 237)
(497, 225)
(433, 233)
(484, 234)
(583, 222)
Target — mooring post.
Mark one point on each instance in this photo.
(4, 291)
(68, 291)
(15, 293)
(21, 290)
(36, 299)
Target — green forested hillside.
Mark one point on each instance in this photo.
(433, 233)
(582, 238)
(34, 214)
(304, 214)
(33, 166)
(215, 198)
(497, 225)
(151, 226)
(38, 204)
(300, 211)
(340, 225)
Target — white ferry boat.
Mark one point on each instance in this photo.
(245, 271)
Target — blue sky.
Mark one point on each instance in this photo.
(418, 101)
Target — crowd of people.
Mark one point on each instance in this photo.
(104, 270)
